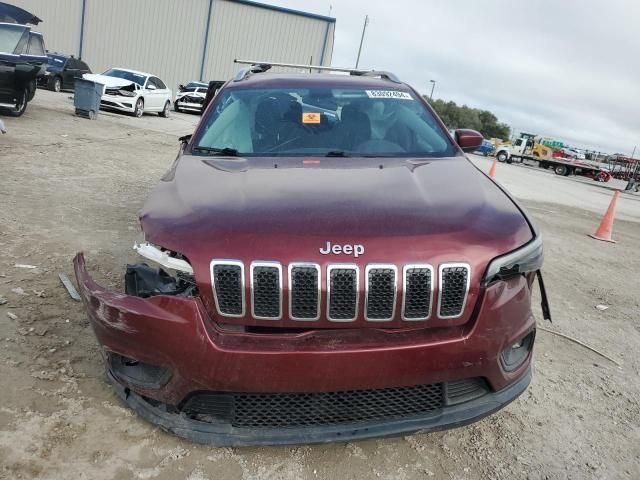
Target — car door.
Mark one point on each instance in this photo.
(152, 95)
(164, 93)
(69, 73)
(13, 43)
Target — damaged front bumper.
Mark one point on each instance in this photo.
(118, 102)
(171, 362)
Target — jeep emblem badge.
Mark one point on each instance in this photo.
(355, 250)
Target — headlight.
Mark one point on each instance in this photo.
(162, 257)
(523, 260)
(126, 93)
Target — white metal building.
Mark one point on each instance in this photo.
(181, 40)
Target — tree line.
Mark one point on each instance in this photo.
(460, 116)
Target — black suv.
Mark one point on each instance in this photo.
(62, 70)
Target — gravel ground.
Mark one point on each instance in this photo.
(69, 184)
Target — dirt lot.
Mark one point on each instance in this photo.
(69, 184)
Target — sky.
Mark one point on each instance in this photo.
(567, 69)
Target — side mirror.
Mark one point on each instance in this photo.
(468, 140)
(151, 87)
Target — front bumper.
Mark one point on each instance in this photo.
(191, 106)
(178, 334)
(117, 102)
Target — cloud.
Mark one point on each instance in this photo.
(563, 69)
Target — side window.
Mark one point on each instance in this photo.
(158, 83)
(72, 64)
(83, 66)
(152, 81)
(36, 47)
(518, 142)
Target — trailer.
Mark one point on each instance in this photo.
(529, 150)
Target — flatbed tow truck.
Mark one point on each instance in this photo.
(529, 151)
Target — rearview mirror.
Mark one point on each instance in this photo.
(468, 140)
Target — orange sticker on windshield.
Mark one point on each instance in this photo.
(310, 117)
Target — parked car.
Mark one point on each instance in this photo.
(133, 92)
(62, 71)
(192, 84)
(486, 148)
(191, 97)
(22, 60)
(321, 263)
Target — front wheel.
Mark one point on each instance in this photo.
(502, 157)
(21, 103)
(165, 111)
(32, 86)
(139, 110)
(55, 84)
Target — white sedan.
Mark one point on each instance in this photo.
(133, 92)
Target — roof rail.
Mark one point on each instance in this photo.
(260, 66)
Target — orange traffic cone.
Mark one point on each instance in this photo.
(492, 171)
(606, 225)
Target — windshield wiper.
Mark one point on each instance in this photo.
(223, 152)
(336, 153)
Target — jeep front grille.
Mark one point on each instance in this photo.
(417, 293)
(380, 292)
(342, 292)
(305, 291)
(305, 294)
(266, 290)
(453, 289)
(228, 287)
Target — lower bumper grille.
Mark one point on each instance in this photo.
(282, 410)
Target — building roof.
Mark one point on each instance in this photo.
(286, 10)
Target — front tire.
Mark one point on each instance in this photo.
(32, 86)
(502, 157)
(165, 111)
(139, 109)
(561, 170)
(55, 84)
(21, 103)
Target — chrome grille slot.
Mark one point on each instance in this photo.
(417, 291)
(304, 288)
(266, 290)
(380, 289)
(342, 292)
(453, 289)
(227, 279)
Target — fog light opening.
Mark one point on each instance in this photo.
(515, 354)
(137, 373)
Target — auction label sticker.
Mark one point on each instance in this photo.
(310, 117)
(389, 94)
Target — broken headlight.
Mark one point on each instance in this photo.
(525, 259)
(126, 93)
(144, 281)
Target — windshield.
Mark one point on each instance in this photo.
(132, 77)
(322, 121)
(10, 35)
(56, 60)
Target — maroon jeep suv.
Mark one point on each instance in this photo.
(321, 263)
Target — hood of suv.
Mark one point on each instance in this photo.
(401, 211)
